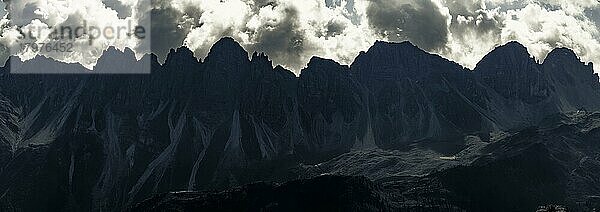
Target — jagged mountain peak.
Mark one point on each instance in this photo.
(42, 64)
(562, 55)
(513, 73)
(281, 69)
(404, 52)
(566, 60)
(262, 59)
(261, 56)
(511, 53)
(511, 59)
(513, 48)
(322, 64)
(181, 52)
(112, 53)
(113, 50)
(227, 41)
(227, 47)
(387, 43)
(513, 45)
(393, 61)
(405, 46)
(567, 70)
(320, 60)
(114, 60)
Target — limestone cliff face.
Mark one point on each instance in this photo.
(416, 95)
(331, 106)
(104, 142)
(575, 83)
(512, 73)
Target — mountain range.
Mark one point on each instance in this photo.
(410, 129)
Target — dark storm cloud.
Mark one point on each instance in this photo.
(331, 29)
(257, 4)
(481, 19)
(284, 42)
(169, 28)
(165, 31)
(333, 3)
(594, 15)
(3, 9)
(334, 28)
(462, 7)
(419, 21)
(123, 11)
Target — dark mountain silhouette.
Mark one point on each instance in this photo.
(398, 115)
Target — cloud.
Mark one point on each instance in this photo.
(464, 31)
(123, 10)
(168, 30)
(478, 26)
(44, 18)
(542, 30)
(284, 40)
(420, 21)
(293, 31)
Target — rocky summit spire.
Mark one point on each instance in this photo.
(512, 55)
(512, 72)
(227, 48)
(179, 54)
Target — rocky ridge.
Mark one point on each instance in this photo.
(105, 142)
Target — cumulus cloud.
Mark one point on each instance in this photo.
(542, 30)
(463, 30)
(291, 32)
(478, 26)
(49, 21)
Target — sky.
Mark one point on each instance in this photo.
(293, 31)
